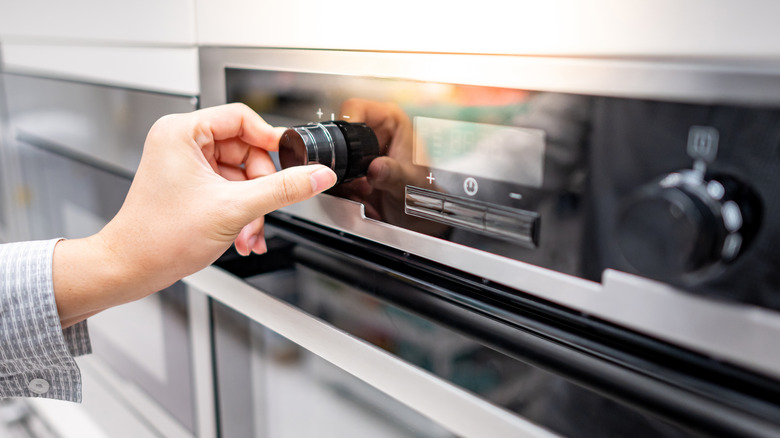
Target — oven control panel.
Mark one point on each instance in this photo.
(578, 184)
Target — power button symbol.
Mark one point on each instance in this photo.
(470, 186)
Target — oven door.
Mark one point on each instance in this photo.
(333, 336)
(74, 150)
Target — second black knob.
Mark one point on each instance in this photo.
(684, 227)
(347, 148)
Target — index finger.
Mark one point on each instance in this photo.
(234, 120)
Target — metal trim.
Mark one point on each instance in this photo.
(202, 372)
(700, 80)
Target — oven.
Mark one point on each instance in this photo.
(550, 246)
(71, 152)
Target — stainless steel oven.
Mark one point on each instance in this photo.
(583, 247)
(71, 153)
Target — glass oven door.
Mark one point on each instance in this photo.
(332, 336)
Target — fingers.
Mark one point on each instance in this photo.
(234, 136)
(231, 173)
(258, 163)
(252, 238)
(383, 118)
(234, 153)
(234, 121)
(385, 173)
(288, 186)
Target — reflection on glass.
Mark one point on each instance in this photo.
(271, 387)
(288, 392)
(307, 396)
(518, 151)
(510, 154)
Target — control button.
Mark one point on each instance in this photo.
(732, 217)
(470, 186)
(430, 178)
(423, 203)
(731, 246)
(464, 215)
(716, 190)
(520, 226)
(38, 386)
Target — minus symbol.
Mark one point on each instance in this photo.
(516, 196)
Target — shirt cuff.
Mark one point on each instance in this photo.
(36, 354)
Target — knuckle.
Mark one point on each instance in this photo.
(286, 191)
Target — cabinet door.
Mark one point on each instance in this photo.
(561, 27)
(140, 21)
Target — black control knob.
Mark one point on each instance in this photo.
(347, 148)
(683, 227)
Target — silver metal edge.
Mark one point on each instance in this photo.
(748, 81)
(202, 372)
(734, 333)
(457, 410)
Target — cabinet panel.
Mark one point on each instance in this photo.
(142, 21)
(561, 27)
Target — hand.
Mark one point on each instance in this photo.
(204, 182)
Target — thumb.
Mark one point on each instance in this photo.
(268, 193)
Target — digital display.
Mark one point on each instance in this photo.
(503, 153)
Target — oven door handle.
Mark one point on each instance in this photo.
(462, 413)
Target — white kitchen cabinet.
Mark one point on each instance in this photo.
(560, 27)
(155, 22)
(170, 70)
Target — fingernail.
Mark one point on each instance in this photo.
(261, 247)
(250, 243)
(322, 179)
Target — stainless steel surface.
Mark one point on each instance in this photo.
(203, 371)
(750, 81)
(462, 413)
(712, 328)
(104, 124)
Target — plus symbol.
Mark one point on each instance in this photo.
(319, 112)
(430, 178)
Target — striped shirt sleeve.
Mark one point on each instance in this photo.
(36, 354)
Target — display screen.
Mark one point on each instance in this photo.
(503, 153)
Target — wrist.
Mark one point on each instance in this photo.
(88, 277)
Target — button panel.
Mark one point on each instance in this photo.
(422, 203)
(463, 215)
(515, 225)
